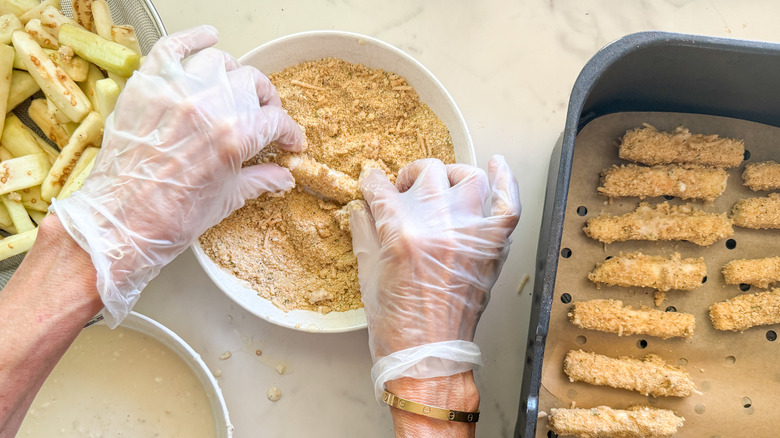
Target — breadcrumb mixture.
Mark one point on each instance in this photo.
(296, 250)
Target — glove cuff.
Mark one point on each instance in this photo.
(438, 359)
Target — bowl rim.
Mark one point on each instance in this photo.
(287, 319)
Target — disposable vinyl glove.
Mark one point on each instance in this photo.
(429, 250)
(171, 162)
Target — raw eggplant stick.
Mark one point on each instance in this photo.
(682, 181)
(649, 146)
(661, 222)
(757, 213)
(320, 178)
(660, 273)
(764, 175)
(648, 376)
(612, 317)
(603, 421)
(756, 272)
(745, 311)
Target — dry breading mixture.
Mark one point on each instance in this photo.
(296, 250)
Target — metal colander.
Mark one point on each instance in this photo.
(140, 14)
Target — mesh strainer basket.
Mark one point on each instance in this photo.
(148, 27)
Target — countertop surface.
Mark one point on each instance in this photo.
(510, 66)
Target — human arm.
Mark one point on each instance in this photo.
(170, 166)
(429, 250)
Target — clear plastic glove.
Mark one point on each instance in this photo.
(170, 164)
(429, 252)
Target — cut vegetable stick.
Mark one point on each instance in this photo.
(756, 272)
(82, 12)
(612, 317)
(8, 24)
(757, 213)
(18, 213)
(31, 199)
(106, 54)
(23, 172)
(661, 222)
(37, 216)
(17, 243)
(125, 35)
(41, 35)
(660, 273)
(18, 138)
(4, 154)
(23, 86)
(5, 219)
(57, 132)
(54, 83)
(745, 311)
(764, 175)
(52, 19)
(77, 177)
(649, 146)
(6, 74)
(89, 133)
(603, 421)
(101, 19)
(17, 7)
(107, 93)
(76, 68)
(89, 86)
(682, 181)
(38, 10)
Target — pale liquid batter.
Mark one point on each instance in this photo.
(120, 382)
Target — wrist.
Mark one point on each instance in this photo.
(457, 392)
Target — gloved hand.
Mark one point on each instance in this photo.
(170, 164)
(429, 251)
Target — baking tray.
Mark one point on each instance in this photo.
(714, 85)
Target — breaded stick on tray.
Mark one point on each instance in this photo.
(612, 317)
(648, 376)
(764, 175)
(603, 421)
(660, 273)
(661, 222)
(745, 311)
(755, 272)
(757, 213)
(683, 181)
(649, 146)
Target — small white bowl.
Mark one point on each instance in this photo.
(294, 49)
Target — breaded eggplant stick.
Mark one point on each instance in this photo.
(612, 317)
(764, 175)
(745, 311)
(603, 421)
(649, 146)
(755, 272)
(661, 222)
(320, 178)
(660, 273)
(648, 376)
(683, 181)
(757, 213)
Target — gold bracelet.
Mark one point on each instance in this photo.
(429, 411)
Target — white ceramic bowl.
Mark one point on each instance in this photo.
(294, 49)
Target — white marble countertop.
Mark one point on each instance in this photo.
(510, 66)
